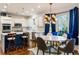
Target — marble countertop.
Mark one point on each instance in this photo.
(12, 32)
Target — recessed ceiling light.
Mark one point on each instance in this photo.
(26, 11)
(32, 9)
(38, 6)
(5, 6)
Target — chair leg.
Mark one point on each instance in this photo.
(49, 51)
(37, 51)
(73, 53)
(43, 52)
(58, 51)
(47, 42)
(67, 53)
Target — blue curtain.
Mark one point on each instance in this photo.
(75, 30)
(71, 21)
(53, 26)
(73, 24)
(47, 26)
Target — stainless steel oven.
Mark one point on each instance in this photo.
(6, 28)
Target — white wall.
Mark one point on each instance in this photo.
(39, 24)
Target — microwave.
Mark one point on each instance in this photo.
(6, 28)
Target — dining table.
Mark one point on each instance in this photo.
(53, 38)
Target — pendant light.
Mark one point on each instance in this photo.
(50, 16)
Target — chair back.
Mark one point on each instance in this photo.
(70, 46)
(41, 44)
(56, 33)
(11, 36)
(25, 35)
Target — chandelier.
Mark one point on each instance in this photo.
(50, 17)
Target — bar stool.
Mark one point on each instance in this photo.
(11, 42)
(18, 42)
(25, 40)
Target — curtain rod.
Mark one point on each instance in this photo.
(61, 12)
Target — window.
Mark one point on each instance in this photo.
(62, 23)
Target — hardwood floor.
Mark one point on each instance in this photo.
(0, 48)
(19, 51)
(25, 51)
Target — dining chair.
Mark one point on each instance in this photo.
(68, 48)
(42, 46)
(56, 33)
(69, 35)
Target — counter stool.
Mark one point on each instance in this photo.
(11, 42)
(25, 41)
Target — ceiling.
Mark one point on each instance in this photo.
(35, 8)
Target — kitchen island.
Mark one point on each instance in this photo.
(18, 40)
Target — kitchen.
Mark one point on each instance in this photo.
(10, 24)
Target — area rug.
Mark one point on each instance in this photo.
(34, 50)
